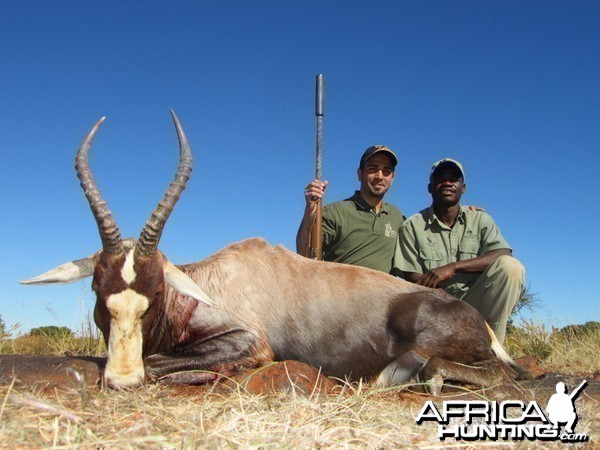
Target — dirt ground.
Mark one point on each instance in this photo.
(64, 372)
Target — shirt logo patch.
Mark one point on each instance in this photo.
(389, 231)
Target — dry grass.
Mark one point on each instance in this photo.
(56, 345)
(163, 418)
(159, 417)
(87, 342)
(568, 352)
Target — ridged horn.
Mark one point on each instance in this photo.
(109, 232)
(150, 236)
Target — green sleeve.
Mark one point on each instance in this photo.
(406, 256)
(329, 227)
(489, 236)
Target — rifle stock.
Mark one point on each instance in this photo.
(316, 239)
(315, 250)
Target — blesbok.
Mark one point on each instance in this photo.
(252, 303)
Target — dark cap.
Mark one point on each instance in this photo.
(371, 151)
(447, 162)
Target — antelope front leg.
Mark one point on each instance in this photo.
(486, 373)
(203, 362)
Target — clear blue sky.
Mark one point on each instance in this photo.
(511, 89)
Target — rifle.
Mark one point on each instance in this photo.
(315, 249)
(575, 391)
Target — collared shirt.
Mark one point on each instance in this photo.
(353, 233)
(427, 243)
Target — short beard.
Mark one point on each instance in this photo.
(379, 195)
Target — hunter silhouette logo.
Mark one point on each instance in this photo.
(514, 420)
(561, 406)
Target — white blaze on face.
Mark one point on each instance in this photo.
(127, 271)
(125, 366)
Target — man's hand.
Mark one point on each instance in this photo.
(432, 277)
(314, 192)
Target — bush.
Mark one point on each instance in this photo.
(579, 330)
(51, 332)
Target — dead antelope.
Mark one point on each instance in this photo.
(251, 303)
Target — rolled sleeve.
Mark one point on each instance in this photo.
(490, 236)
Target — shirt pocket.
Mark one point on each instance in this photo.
(431, 257)
(468, 249)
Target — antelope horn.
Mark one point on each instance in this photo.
(109, 232)
(150, 236)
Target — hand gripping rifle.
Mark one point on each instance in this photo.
(315, 249)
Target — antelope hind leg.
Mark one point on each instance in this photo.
(400, 370)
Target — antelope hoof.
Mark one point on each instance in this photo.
(434, 385)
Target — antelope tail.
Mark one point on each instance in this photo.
(498, 349)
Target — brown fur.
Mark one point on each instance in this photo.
(350, 321)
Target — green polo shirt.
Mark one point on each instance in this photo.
(426, 243)
(353, 233)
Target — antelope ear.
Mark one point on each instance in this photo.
(67, 273)
(184, 284)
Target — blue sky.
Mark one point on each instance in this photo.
(508, 88)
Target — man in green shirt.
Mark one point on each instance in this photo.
(362, 229)
(460, 250)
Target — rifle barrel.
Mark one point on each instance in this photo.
(319, 112)
(316, 240)
(577, 389)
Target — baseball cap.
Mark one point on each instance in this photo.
(447, 162)
(371, 151)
